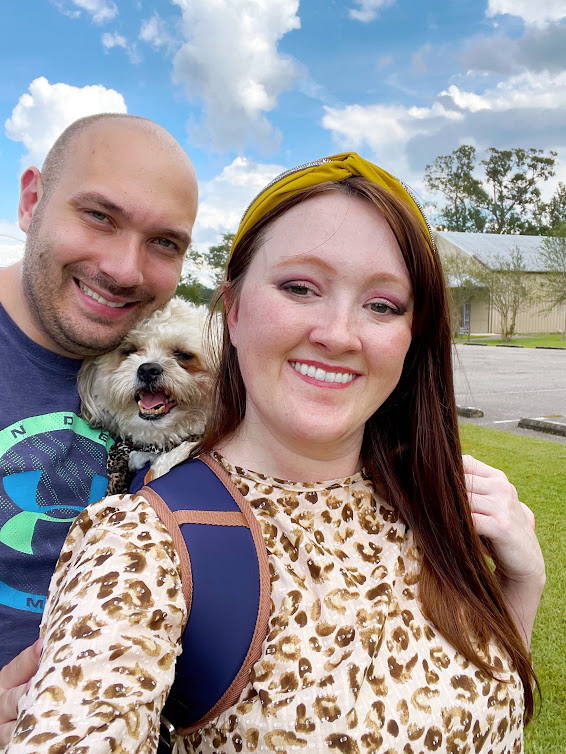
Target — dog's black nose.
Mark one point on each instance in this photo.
(149, 371)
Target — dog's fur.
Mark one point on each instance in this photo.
(162, 358)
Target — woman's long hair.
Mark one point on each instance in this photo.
(411, 448)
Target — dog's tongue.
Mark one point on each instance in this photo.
(152, 400)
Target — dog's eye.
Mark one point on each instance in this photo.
(183, 355)
(128, 350)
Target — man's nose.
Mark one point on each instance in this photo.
(122, 261)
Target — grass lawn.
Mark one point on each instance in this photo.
(527, 341)
(537, 468)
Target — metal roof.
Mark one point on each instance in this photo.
(487, 247)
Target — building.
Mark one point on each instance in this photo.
(477, 314)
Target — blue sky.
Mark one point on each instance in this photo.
(250, 87)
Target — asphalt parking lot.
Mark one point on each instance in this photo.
(508, 384)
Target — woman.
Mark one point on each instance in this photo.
(390, 629)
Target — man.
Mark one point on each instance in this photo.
(108, 221)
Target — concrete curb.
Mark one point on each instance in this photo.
(513, 345)
(471, 413)
(544, 425)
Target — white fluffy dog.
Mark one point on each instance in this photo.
(153, 391)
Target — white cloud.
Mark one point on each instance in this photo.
(12, 242)
(538, 49)
(529, 91)
(100, 11)
(418, 61)
(47, 109)
(231, 62)
(224, 199)
(533, 14)
(524, 110)
(385, 129)
(113, 39)
(155, 32)
(368, 9)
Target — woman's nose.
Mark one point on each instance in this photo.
(336, 330)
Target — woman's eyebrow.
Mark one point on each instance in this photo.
(306, 259)
(315, 260)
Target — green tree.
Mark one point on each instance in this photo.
(507, 281)
(506, 199)
(513, 175)
(452, 176)
(553, 256)
(213, 260)
(189, 287)
(556, 212)
(216, 258)
(192, 290)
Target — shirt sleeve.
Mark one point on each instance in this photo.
(112, 625)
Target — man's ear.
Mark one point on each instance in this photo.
(231, 307)
(31, 191)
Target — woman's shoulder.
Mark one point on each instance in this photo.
(115, 524)
(117, 511)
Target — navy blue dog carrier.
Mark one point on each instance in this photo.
(226, 585)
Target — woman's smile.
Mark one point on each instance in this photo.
(325, 376)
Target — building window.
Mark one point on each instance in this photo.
(465, 318)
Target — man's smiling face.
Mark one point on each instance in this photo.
(105, 246)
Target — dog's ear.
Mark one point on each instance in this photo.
(86, 380)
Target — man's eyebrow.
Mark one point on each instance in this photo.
(179, 235)
(93, 197)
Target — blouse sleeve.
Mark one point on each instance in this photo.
(112, 625)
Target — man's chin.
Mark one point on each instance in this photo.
(80, 342)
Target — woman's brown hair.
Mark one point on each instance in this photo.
(411, 448)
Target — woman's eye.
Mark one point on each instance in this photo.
(298, 289)
(382, 307)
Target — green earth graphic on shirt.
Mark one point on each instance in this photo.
(49, 462)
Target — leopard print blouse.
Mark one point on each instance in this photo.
(349, 665)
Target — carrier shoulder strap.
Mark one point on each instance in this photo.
(226, 585)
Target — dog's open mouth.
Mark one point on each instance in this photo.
(154, 405)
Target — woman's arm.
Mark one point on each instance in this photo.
(112, 629)
(510, 525)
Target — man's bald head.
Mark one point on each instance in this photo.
(62, 149)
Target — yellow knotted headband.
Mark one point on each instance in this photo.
(335, 168)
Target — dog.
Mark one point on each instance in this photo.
(152, 393)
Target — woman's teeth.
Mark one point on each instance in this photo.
(101, 300)
(321, 374)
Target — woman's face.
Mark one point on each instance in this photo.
(322, 324)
